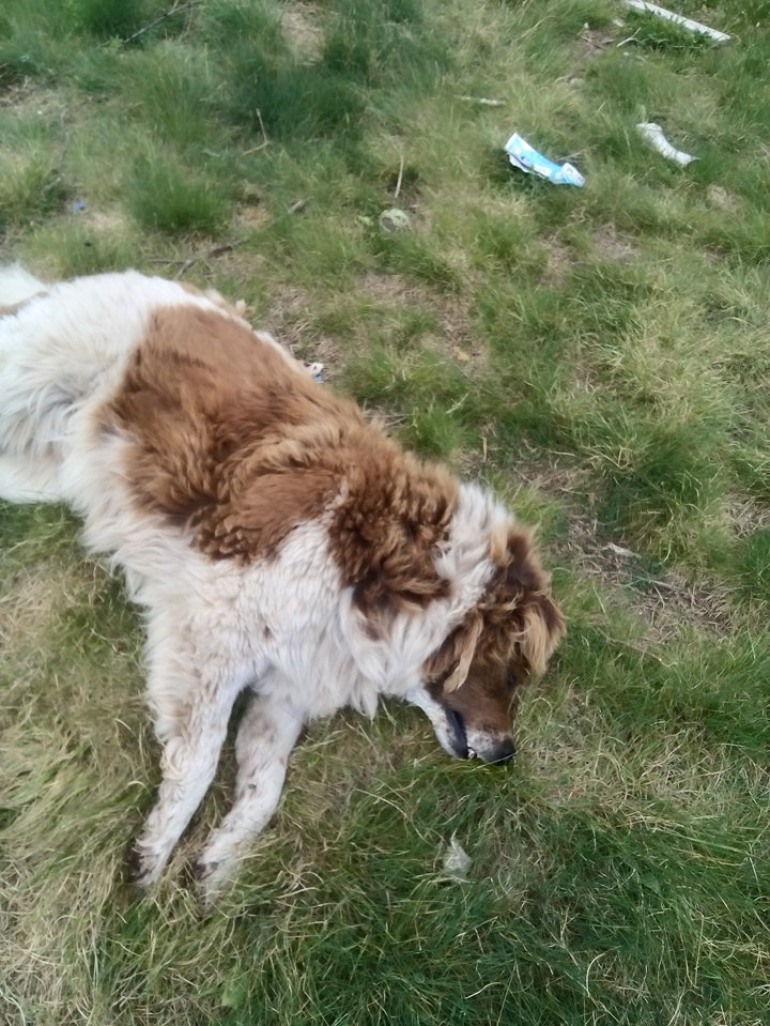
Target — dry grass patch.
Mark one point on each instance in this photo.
(302, 23)
(611, 244)
(31, 600)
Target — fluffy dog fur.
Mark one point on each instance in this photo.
(276, 540)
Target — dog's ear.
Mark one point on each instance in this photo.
(451, 662)
(541, 625)
(524, 589)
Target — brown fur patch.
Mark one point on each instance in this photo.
(236, 444)
(503, 642)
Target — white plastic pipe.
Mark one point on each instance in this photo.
(688, 23)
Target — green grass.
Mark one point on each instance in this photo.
(599, 355)
(167, 195)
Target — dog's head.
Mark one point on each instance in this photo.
(472, 681)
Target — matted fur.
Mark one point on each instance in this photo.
(276, 539)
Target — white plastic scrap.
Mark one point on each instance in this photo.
(525, 157)
(457, 862)
(316, 371)
(688, 23)
(483, 101)
(654, 135)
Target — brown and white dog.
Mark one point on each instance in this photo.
(277, 540)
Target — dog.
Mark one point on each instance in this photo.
(278, 541)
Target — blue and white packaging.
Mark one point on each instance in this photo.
(527, 159)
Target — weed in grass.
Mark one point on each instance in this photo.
(16, 61)
(31, 186)
(435, 432)
(40, 528)
(270, 89)
(166, 195)
(413, 257)
(754, 565)
(106, 18)
(658, 474)
(751, 463)
(511, 243)
(84, 244)
(380, 42)
(413, 325)
(29, 37)
(171, 89)
(295, 101)
(100, 73)
(659, 34)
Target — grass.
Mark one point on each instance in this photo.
(599, 355)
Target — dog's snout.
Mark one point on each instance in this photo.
(458, 739)
(502, 753)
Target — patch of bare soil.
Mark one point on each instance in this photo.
(286, 317)
(559, 261)
(591, 42)
(105, 222)
(719, 197)
(292, 316)
(252, 216)
(608, 242)
(589, 45)
(612, 244)
(664, 599)
(454, 339)
(29, 98)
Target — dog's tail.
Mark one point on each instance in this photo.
(29, 467)
(16, 286)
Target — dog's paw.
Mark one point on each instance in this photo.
(210, 881)
(143, 865)
(211, 877)
(216, 865)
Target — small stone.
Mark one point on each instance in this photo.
(394, 220)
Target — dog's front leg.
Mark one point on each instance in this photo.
(191, 717)
(266, 736)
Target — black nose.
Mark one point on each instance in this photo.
(503, 753)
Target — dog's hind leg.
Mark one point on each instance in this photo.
(266, 736)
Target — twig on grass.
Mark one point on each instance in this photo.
(400, 177)
(224, 247)
(265, 141)
(176, 8)
(187, 263)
